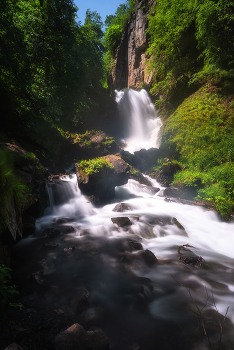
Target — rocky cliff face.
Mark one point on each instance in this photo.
(130, 60)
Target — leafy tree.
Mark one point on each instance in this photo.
(49, 63)
(185, 34)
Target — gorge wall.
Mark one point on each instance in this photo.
(130, 60)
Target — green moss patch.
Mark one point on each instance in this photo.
(95, 166)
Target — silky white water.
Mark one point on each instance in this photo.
(141, 123)
(213, 239)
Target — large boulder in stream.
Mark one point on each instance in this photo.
(101, 183)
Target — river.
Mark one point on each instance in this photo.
(169, 305)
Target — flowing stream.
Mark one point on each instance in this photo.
(139, 306)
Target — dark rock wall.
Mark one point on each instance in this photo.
(130, 59)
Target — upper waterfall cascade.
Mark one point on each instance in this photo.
(142, 125)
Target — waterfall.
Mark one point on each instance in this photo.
(140, 120)
(65, 199)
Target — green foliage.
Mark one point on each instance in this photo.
(188, 178)
(215, 31)
(9, 183)
(95, 166)
(29, 158)
(50, 66)
(7, 291)
(200, 135)
(173, 50)
(114, 32)
(183, 36)
(113, 35)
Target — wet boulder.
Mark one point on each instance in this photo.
(121, 221)
(102, 183)
(148, 157)
(165, 174)
(75, 337)
(177, 223)
(148, 257)
(132, 159)
(121, 207)
(81, 301)
(134, 245)
(182, 191)
(51, 232)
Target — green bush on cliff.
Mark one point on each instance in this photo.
(10, 185)
(115, 27)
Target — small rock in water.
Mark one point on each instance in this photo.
(134, 245)
(37, 277)
(70, 249)
(73, 338)
(64, 220)
(121, 221)
(84, 233)
(67, 229)
(148, 257)
(121, 207)
(51, 232)
(177, 223)
(81, 301)
(50, 245)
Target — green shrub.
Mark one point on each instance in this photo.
(9, 184)
(113, 36)
(188, 178)
(95, 165)
(7, 291)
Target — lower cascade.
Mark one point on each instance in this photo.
(152, 274)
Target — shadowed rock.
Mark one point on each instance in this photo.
(75, 337)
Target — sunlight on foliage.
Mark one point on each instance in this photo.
(95, 165)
